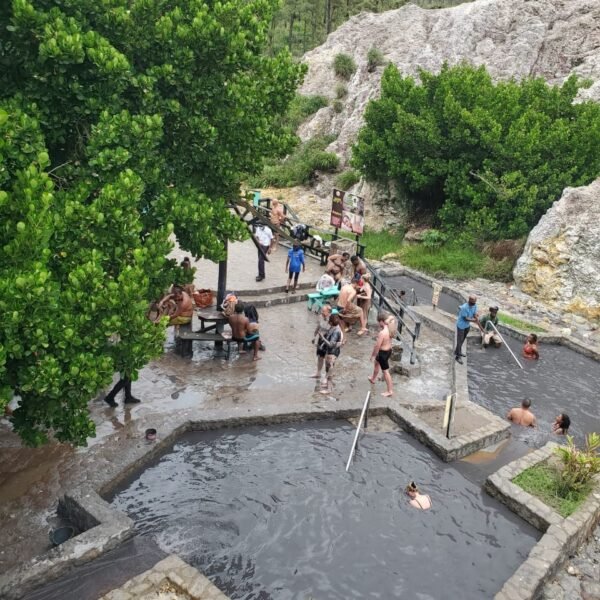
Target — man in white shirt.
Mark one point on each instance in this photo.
(264, 236)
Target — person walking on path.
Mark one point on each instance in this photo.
(321, 330)
(123, 383)
(330, 345)
(382, 352)
(295, 260)
(467, 314)
(264, 236)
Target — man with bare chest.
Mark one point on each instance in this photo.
(349, 312)
(242, 331)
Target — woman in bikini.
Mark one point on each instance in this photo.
(530, 349)
(561, 424)
(417, 500)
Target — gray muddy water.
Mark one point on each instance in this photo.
(423, 291)
(562, 380)
(270, 513)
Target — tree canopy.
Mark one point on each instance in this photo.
(484, 159)
(121, 122)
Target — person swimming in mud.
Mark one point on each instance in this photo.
(522, 415)
(530, 349)
(561, 424)
(417, 500)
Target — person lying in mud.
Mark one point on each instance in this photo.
(530, 349)
(522, 415)
(488, 322)
(243, 331)
(178, 306)
(417, 500)
(561, 424)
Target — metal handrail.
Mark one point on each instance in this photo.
(362, 417)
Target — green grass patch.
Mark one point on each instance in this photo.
(347, 179)
(543, 482)
(519, 324)
(300, 108)
(300, 166)
(380, 243)
(454, 260)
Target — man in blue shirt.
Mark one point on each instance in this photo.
(467, 314)
(294, 261)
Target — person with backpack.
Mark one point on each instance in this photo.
(294, 262)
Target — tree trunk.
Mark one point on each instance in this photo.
(328, 7)
(291, 34)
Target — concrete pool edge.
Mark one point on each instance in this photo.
(562, 536)
(103, 529)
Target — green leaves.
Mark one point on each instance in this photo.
(485, 160)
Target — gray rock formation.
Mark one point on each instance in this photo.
(560, 264)
(513, 38)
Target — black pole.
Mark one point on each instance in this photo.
(221, 290)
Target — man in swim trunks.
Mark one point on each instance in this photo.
(277, 217)
(242, 331)
(522, 416)
(336, 264)
(178, 305)
(358, 266)
(348, 311)
(381, 355)
(364, 296)
(530, 349)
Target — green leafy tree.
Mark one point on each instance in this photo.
(121, 123)
(482, 158)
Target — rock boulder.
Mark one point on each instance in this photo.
(560, 264)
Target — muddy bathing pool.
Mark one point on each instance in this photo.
(423, 291)
(561, 381)
(269, 513)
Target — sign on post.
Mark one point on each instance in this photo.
(348, 212)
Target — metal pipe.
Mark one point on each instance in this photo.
(362, 416)
(507, 346)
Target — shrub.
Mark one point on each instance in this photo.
(347, 179)
(300, 108)
(480, 157)
(434, 238)
(300, 166)
(375, 59)
(338, 106)
(341, 91)
(579, 466)
(344, 66)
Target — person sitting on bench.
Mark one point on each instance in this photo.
(242, 331)
(178, 306)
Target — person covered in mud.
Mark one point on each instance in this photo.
(522, 415)
(561, 424)
(417, 500)
(178, 306)
(329, 347)
(488, 322)
(350, 312)
(530, 349)
(364, 296)
(243, 331)
(277, 218)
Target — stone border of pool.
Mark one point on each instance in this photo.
(170, 570)
(562, 536)
(102, 527)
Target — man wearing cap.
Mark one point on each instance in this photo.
(467, 314)
(488, 332)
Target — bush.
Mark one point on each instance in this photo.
(434, 238)
(344, 66)
(347, 179)
(579, 466)
(338, 106)
(299, 168)
(481, 158)
(300, 108)
(375, 59)
(341, 91)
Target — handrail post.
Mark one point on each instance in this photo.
(360, 421)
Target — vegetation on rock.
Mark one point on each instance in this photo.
(120, 123)
(347, 179)
(344, 66)
(482, 159)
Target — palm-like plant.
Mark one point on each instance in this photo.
(579, 465)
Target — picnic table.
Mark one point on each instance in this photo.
(317, 299)
(210, 319)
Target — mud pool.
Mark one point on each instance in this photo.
(423, 291)
(269, 513)
(562, 380)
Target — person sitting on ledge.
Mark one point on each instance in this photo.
(561, 424)
(530, 349)
(417, 500)
(487, 331)
(522, 416)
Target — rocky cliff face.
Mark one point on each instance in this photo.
(513, 38)
(561, 261)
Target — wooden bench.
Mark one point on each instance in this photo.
(185, 337)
